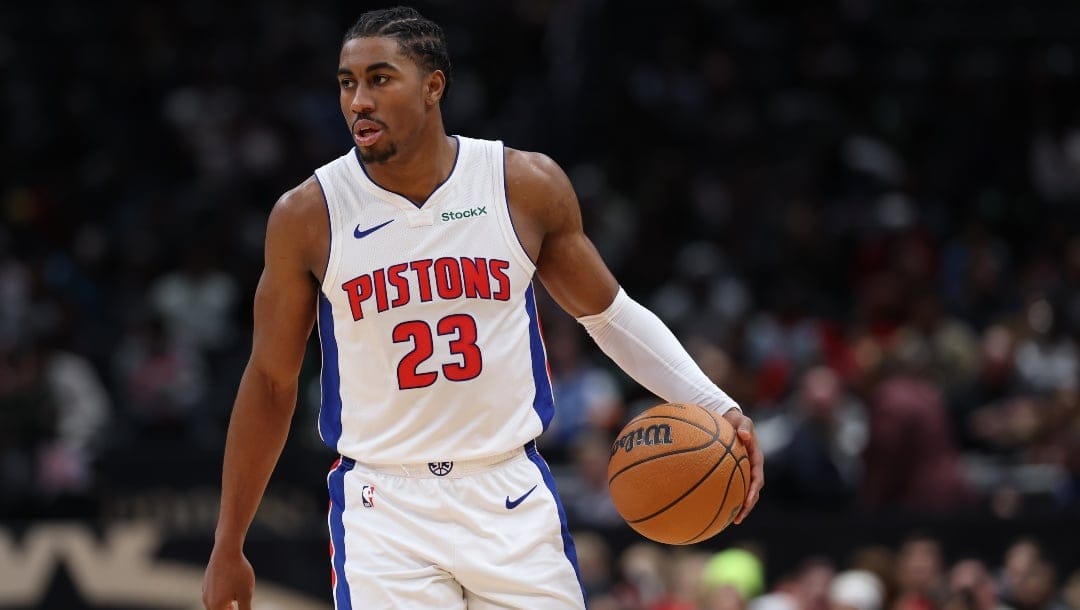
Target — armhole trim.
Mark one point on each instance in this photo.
(502, 191)
(332, 212)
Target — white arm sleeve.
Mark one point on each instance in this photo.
(643, 346)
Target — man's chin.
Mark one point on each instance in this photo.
(372, 157)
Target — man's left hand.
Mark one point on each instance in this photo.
(744, 428)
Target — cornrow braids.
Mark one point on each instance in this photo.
(421, 39)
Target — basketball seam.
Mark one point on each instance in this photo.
(647, 415)
(685, 493)
(715, 438)
(733, 429)
(727, 490)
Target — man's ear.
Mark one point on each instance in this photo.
(435, 87)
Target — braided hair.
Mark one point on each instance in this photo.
(421, 39)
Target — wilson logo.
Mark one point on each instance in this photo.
(656, 434)
(460, 214)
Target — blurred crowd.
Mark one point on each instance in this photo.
(860, 216)
(916, 575)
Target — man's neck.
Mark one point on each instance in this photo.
(416, 174)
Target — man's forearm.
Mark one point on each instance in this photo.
(636, 340)
(257, 431)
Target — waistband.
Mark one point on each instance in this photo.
(443, 469)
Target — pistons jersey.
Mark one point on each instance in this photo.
(431, 346)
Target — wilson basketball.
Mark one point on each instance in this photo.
(678, 474)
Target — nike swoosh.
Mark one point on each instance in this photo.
(512, 504)
(357, 233)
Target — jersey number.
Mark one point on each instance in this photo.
(461, 327)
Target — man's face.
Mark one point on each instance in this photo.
(382, 95)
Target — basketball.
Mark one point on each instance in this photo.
(678, 474)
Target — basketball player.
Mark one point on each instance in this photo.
(416, 252)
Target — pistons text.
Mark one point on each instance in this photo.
(443, 278)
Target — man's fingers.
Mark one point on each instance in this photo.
(744, 428)
(757, 481)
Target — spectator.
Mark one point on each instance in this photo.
(594, 566)
(911, 459)
(83, 414)
(972, 588)
(1036, 588)
(811, 584)
(53, 411)
(197, 301)
(920, 574)
(643, 566)
(880, 561)
(1020, 559)
(588, 500)
(819, 465)
(1047, 359)
(941, 343)
(162, 380)
(1071, 593)
(28, 423)
(995, 382)
(684, 582)
(856, 590)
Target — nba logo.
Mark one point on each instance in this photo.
(367, 495)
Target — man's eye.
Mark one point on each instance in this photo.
(380, 79)
(346, 83)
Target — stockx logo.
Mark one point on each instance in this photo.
(460, 214)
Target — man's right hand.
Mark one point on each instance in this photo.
(229, 581)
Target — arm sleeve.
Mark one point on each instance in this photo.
(639, 342)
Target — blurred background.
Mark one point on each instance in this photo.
(860, 216)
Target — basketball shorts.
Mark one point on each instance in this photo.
(479, 534)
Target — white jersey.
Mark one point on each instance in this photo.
(430, 340)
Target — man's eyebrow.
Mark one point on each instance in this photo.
(381, 65)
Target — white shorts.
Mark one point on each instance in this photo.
(481, 534)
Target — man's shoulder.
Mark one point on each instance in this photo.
(530, 165)
(297, 229)
(301, 201)
(538, 189)
(534, 172)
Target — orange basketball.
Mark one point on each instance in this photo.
(678, 473)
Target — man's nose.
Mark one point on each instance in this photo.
(362, 102)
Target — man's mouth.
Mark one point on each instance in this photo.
(366, 132)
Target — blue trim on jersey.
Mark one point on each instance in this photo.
(330, 406)
(329, 220)
(543, 403)
(506, 202)
(363, 168)
(568, 543)
(336, 487)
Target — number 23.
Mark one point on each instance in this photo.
(461, 326)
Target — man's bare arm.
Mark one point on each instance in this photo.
(285, 304)
(548, 216)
